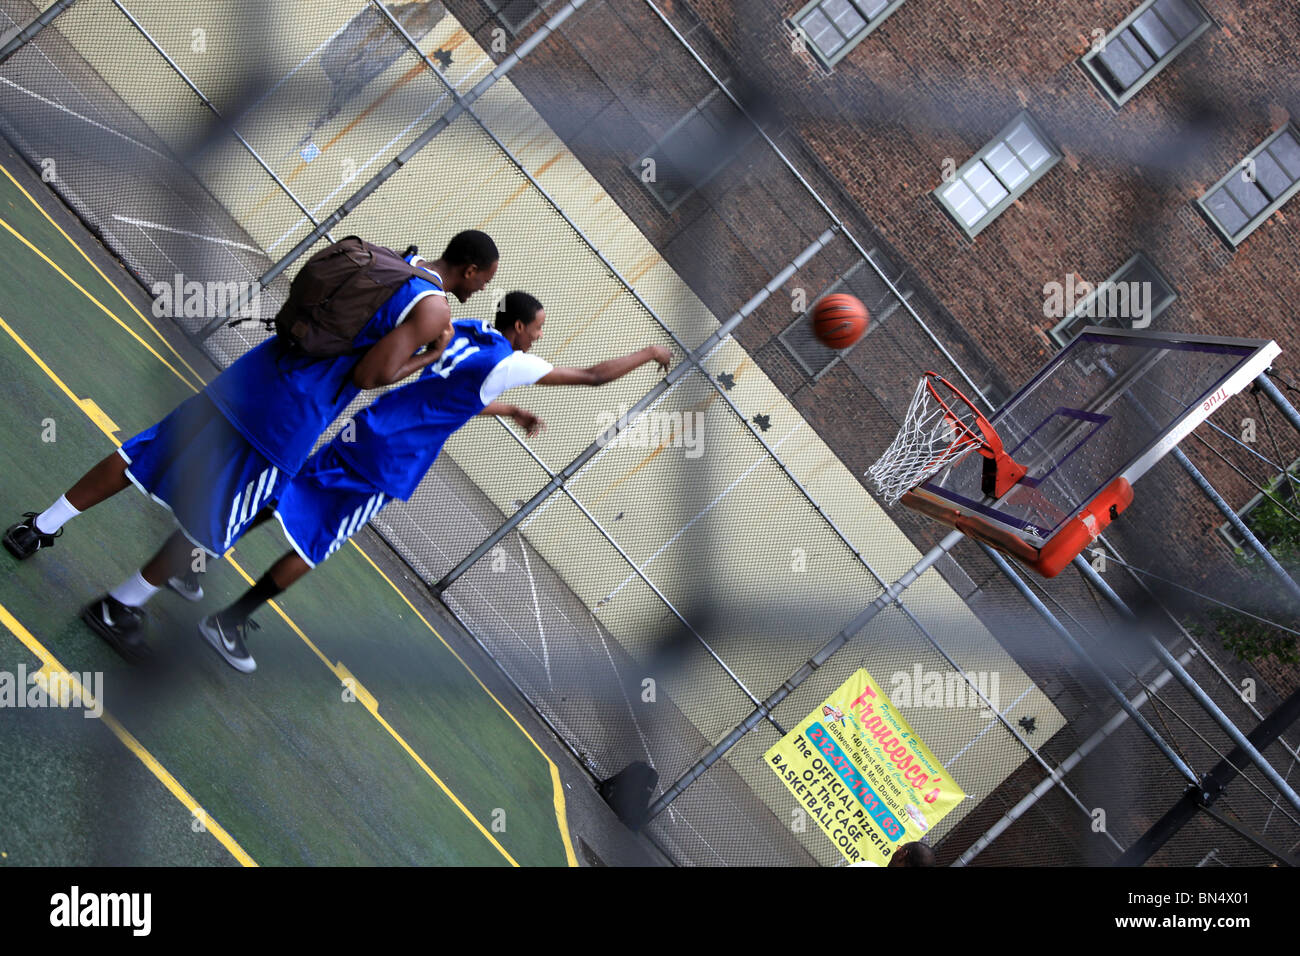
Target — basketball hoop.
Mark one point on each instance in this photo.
(1088, 439)
(940, 427)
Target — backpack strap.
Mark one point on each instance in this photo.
(416, 272)
(419, 272)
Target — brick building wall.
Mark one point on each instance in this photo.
(934, 83)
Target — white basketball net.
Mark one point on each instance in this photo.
(930, 438)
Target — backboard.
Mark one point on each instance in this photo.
(1110, 404)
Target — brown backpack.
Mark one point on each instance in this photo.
(337, 292)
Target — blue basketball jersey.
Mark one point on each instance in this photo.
(282, 402)
(398, 437)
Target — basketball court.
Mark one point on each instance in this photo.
(364, 745)
(716, 575)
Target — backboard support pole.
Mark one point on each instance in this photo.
(1238, 525)
(1211, 787)
(1046, 614)
(1205, 700)
(1265, 385)
(1069, 763)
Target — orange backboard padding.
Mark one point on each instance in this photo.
(1082, 530)
(1077, 533)
(1005, 541)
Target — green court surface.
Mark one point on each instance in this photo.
(361, 739)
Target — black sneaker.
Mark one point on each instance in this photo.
(187, 585)
(121, 627)
(23, 539)
(228, 641)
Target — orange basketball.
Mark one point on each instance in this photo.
(839, 320)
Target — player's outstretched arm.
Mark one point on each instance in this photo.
(394, 357)
(525, 419)
(608, 370)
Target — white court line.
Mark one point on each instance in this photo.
(181, 200)
(507, 630)
(703, 511)
(537, 611)
(702, 784)
(143, 223)
(149, 239)
(974, 740)
(627, 700)
(86, 119)
(108, 129)
(582, 472)
(645, 744)
(436, 545)
(177, 267)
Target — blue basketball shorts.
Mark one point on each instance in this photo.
(202, 469)
(326, 504)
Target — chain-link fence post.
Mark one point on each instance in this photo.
(203, 98)
(890, 595)
(1027, 593)
(19, 40)
(934, 339)
(1069, 763)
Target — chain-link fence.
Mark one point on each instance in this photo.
(649, 593)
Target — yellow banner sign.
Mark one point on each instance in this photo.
(862, 775)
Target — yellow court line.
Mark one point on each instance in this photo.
(128, 740)
(111, 283)
(368, 700)
(556, 783)
(338, 670)
(103, 308)
(85, 404)
(561, 813)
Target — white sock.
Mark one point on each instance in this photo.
(55, 516)
(134, 591)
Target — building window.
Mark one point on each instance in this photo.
(1282, 489)
(1130, 56)
(1123, 298)
(694, 150)
(997, 175)
(514, 15)
(1257, 186)
(831, 28)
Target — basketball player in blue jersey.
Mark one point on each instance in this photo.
(224, 455)
(395, 441)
